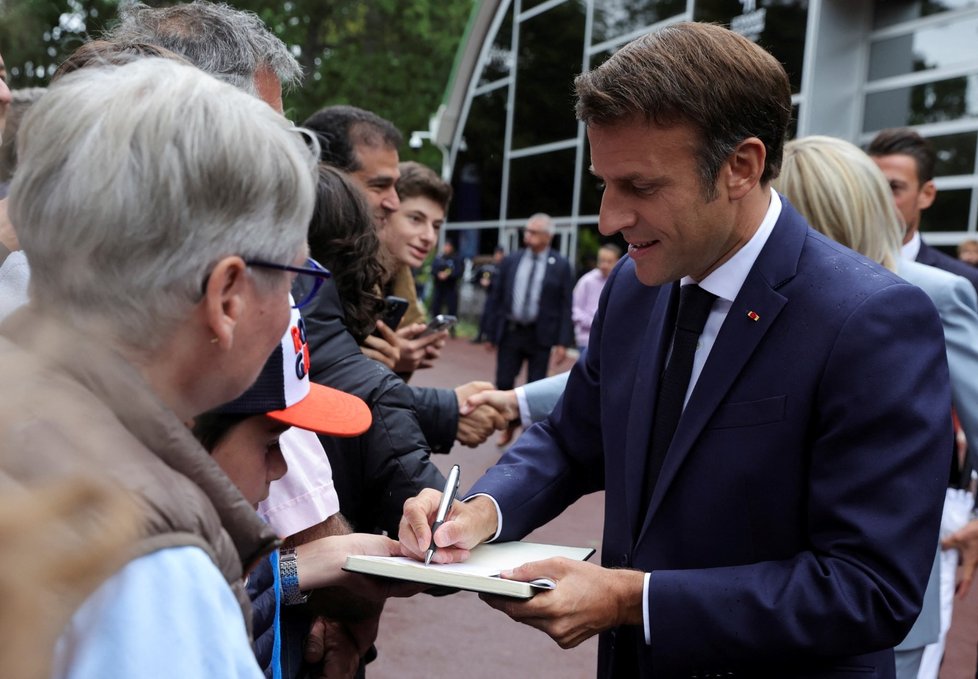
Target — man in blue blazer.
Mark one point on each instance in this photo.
(531, 299)
(790, 527)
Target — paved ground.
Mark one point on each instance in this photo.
(430, 638)
(959, 657)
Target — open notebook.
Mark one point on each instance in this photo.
(480, 573)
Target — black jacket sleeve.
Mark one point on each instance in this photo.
(437, 411)
(376, 472)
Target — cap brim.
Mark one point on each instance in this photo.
(327, 411)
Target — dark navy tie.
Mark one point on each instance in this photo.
(694, 308)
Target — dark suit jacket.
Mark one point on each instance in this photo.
(933, 257)
(794, 523)
(554, 325)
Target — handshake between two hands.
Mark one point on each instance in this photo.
(483, 409)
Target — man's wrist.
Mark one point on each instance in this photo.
(523, 406)
(318, 563)
(486, 516)
(628, 588)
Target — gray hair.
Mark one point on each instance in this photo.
(230, 44)
(135, 180)
(546, 221)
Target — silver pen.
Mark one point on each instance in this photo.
(447, 498)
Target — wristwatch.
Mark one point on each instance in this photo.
(288, 569)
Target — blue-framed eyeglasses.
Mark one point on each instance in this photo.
(317, 271)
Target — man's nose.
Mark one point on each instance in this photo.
(614, 216)
(390, 200)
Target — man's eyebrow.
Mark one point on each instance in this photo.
(630, 177)
(638, 178)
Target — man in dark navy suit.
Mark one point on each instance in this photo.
(764, 435)
(908, 161)
(531, 299)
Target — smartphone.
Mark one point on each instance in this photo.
(439, 323)
(394, 308)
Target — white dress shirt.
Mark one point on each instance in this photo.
(911, 248)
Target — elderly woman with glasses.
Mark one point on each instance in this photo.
(162, 252)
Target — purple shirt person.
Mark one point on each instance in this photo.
(588, 291)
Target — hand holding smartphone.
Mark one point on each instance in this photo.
(393, 312)
(439, 323)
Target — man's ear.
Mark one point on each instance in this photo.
(745, 167)
(927, 194)
(224, 299)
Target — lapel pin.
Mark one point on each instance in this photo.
(753, 316)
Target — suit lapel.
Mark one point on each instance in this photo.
(549, 259)
(926, 255)
(644, 392)
(751, 316)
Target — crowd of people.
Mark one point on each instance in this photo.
(204, 412)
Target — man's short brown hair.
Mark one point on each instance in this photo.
(420, 180)
(904, 141)
(723, 85)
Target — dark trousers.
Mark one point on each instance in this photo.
(519, 343)
(444, 297)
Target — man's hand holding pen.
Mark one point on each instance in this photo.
(588, 599)
(467, 525)
(446, 502)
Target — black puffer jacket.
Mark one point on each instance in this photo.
(437, 411)
(376, 472)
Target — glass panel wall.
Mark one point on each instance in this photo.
(541, 183)
(551, 50)
(948, 213)
(613, 18)
(478, 169)
(530, 4)
(955, 153)
(501, 58)
(924, 66)
(779, 26)
(949, 44)
(933, 102)
(891, 12)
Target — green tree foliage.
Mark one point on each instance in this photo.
(393, 57)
